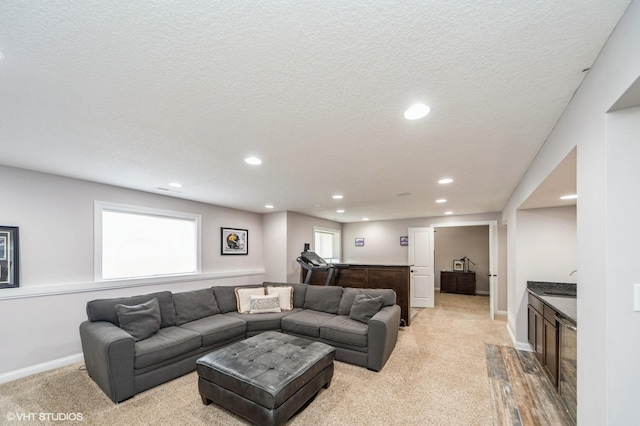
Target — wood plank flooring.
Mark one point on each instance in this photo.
(520, 392)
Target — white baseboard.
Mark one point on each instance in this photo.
(522, 346)
(501, 313)
(39, 368)
(482, 292)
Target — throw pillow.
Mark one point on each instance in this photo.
(285, 294)
(243, 297)
(140, 321)
(264, 304)
(365, 307)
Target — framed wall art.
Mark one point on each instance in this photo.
(404, 241)
(9, 257)
(359, 242)
(234, 241)
(458, 265)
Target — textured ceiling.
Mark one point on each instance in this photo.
(139, 94)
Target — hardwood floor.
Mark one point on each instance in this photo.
(520, 392)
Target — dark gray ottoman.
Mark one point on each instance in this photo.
(266, 378)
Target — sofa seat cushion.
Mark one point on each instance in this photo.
(263, 322)
(343, 329)
(305, 323)
(167, 343)
(217, 329)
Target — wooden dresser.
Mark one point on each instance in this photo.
(395, 277)
(458, 282)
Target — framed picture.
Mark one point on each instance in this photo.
(458, 265)
(9, 257)
(404, 241)
(234, 241)
(359, 242)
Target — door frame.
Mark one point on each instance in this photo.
(493, 255)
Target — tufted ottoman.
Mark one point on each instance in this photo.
(266, 378)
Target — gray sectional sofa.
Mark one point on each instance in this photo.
(126, 356)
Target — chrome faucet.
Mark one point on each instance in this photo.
(573, 272)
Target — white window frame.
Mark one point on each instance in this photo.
(337, 242)
(102, 206)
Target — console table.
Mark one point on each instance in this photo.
(395, 277)
(458, 282)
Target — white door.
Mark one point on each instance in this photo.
(421, 254)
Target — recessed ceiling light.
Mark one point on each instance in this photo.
(268, 206)
(337, 197)
(254, 161)
(175, 185)
(340, 211)
(441, 200)
(416, 111)
(569, 197)
(448, 213)
(445, 181)
(315, 205)
(365, 219)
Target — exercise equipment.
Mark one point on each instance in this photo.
(311, 262)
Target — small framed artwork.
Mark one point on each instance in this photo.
(359, 242)
(458, 265)
(404, 241)
(234, 241)
(9, 257)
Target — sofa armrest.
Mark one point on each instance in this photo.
(383, 335)
(109, 355)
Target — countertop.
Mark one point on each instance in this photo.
(560, 296)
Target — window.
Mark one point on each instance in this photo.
(327, 244)
(136, 242)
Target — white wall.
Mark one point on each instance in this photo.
(382, 243)
(546, 246)
(603, 396)
(623, 234)
(55, 215)
(275, 246)
(300, 231)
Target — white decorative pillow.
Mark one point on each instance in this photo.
(286, 296)
(264, 304)
(243, 297)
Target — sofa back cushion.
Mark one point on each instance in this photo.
(193, 305)
(140, 321)
(105, 309)
(323, 298)
(349, 294)
(226, 297)
(299, 292)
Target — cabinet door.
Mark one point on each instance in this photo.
(539, 333)
(531, 335)
(551, 351)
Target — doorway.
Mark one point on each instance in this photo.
(485, 253)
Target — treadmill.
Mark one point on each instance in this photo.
(312, 262)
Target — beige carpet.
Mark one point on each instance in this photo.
(437, 375)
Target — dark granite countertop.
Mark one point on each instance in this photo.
(560, 296)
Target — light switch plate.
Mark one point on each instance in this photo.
(636, 297)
